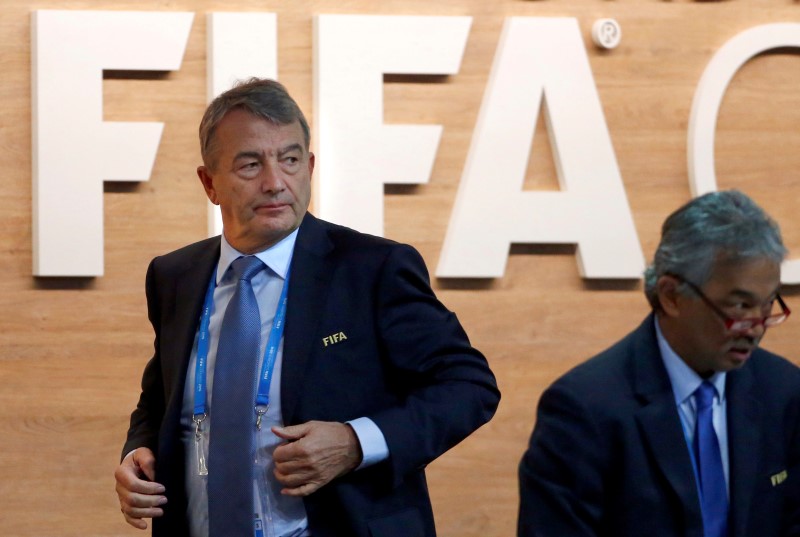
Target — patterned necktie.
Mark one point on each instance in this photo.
(231, 445)
(713, 490)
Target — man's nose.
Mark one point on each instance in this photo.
(271, 180)
(757, 330)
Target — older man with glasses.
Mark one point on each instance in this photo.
(685, 427)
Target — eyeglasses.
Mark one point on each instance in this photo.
(740, 325)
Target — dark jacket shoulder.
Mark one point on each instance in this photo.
(179, 258)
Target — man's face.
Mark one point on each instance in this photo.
(699, 336)
(261, 179)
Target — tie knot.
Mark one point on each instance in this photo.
(704, 395)
(244, 268)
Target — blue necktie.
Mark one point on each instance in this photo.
(231, 445)
(713, 490)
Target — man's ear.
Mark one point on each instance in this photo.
(208, 184)
(668, 294)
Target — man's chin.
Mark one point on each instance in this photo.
(738, 357)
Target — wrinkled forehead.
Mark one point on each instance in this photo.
(758, 276)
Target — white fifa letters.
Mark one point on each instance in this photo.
(491, 209)
(540, 67)
(357, 152)
(708, 98)
(74, 150)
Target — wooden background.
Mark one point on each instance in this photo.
(72, 350)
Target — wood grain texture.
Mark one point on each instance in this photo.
(72, 350)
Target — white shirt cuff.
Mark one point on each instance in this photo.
(373, 443)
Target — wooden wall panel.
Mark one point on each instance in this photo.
(72, 350)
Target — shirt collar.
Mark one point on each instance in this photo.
(683, 378)
(277, 257)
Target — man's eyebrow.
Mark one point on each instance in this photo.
(743, 293)
(289, 149)
(248, 154)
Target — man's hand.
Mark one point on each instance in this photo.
(139, 498)
(316, 453)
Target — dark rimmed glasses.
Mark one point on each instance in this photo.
(740, 325)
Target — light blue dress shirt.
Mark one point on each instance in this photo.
(684, 382)
(281, 516)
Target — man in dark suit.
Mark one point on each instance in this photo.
(626, 444)
(372, 377)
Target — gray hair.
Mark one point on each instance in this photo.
(718, 226)
(263, 98)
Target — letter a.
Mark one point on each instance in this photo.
(541, 60)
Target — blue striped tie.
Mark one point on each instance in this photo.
(231, 445)
(713, 490)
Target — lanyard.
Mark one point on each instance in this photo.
(270, 353)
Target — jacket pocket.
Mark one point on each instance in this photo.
(406, 523)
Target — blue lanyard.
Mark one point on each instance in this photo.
(270, 354)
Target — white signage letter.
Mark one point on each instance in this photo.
(74, 150)
(708, 99)
(541, 60)
(240, 46)
(357, 152)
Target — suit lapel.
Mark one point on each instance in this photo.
(744, 428)
(312, 270)
(661, 426)
(181, 326)
(179, 311)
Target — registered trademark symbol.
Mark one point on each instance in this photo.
(606, 33)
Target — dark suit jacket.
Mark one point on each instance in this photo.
(406, 364)
(608, 457)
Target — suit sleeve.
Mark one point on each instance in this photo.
(449, 389)
(561, 475)
(146, 418)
